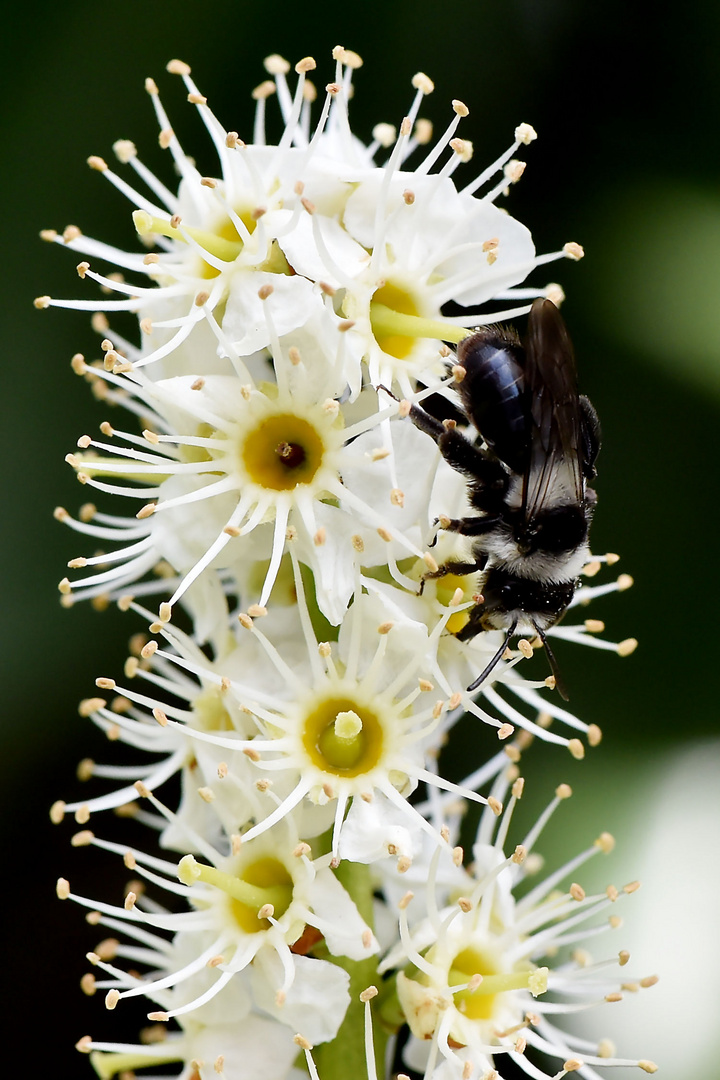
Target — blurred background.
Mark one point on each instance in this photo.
(626, 164)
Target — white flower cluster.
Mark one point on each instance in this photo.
(285, 505)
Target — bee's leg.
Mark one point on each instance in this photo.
(459, 568)
(455, 567)
(465, 457)
(458, 451)
(427, 423)
(470, 526)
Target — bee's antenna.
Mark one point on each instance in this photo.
(559, 684)
(496, 658)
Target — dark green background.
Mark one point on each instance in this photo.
(626, 164)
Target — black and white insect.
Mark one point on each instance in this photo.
(528, 476)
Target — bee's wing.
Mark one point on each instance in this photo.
(553, 475)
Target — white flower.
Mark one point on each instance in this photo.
(227, 457)
(251, 905)
(482, 960)
(314, 210)
(256, 1046)
(291, 516)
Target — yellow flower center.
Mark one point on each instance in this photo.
(265, 881)
(342, 737)
(283, 451)
(478, 1004)
(445, 590)
(210, 713)
(223, 241)
(397, 300)
(266, 874)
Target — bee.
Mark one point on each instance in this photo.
(528, 475)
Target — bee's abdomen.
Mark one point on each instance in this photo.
(493, 393)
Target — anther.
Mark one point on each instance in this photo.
(573, 251)
(577, 749)
(423, 83)
(178, 67)
(463, 148)
(423, 131)
(525, 133)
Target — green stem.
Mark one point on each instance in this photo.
(344, 1057)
